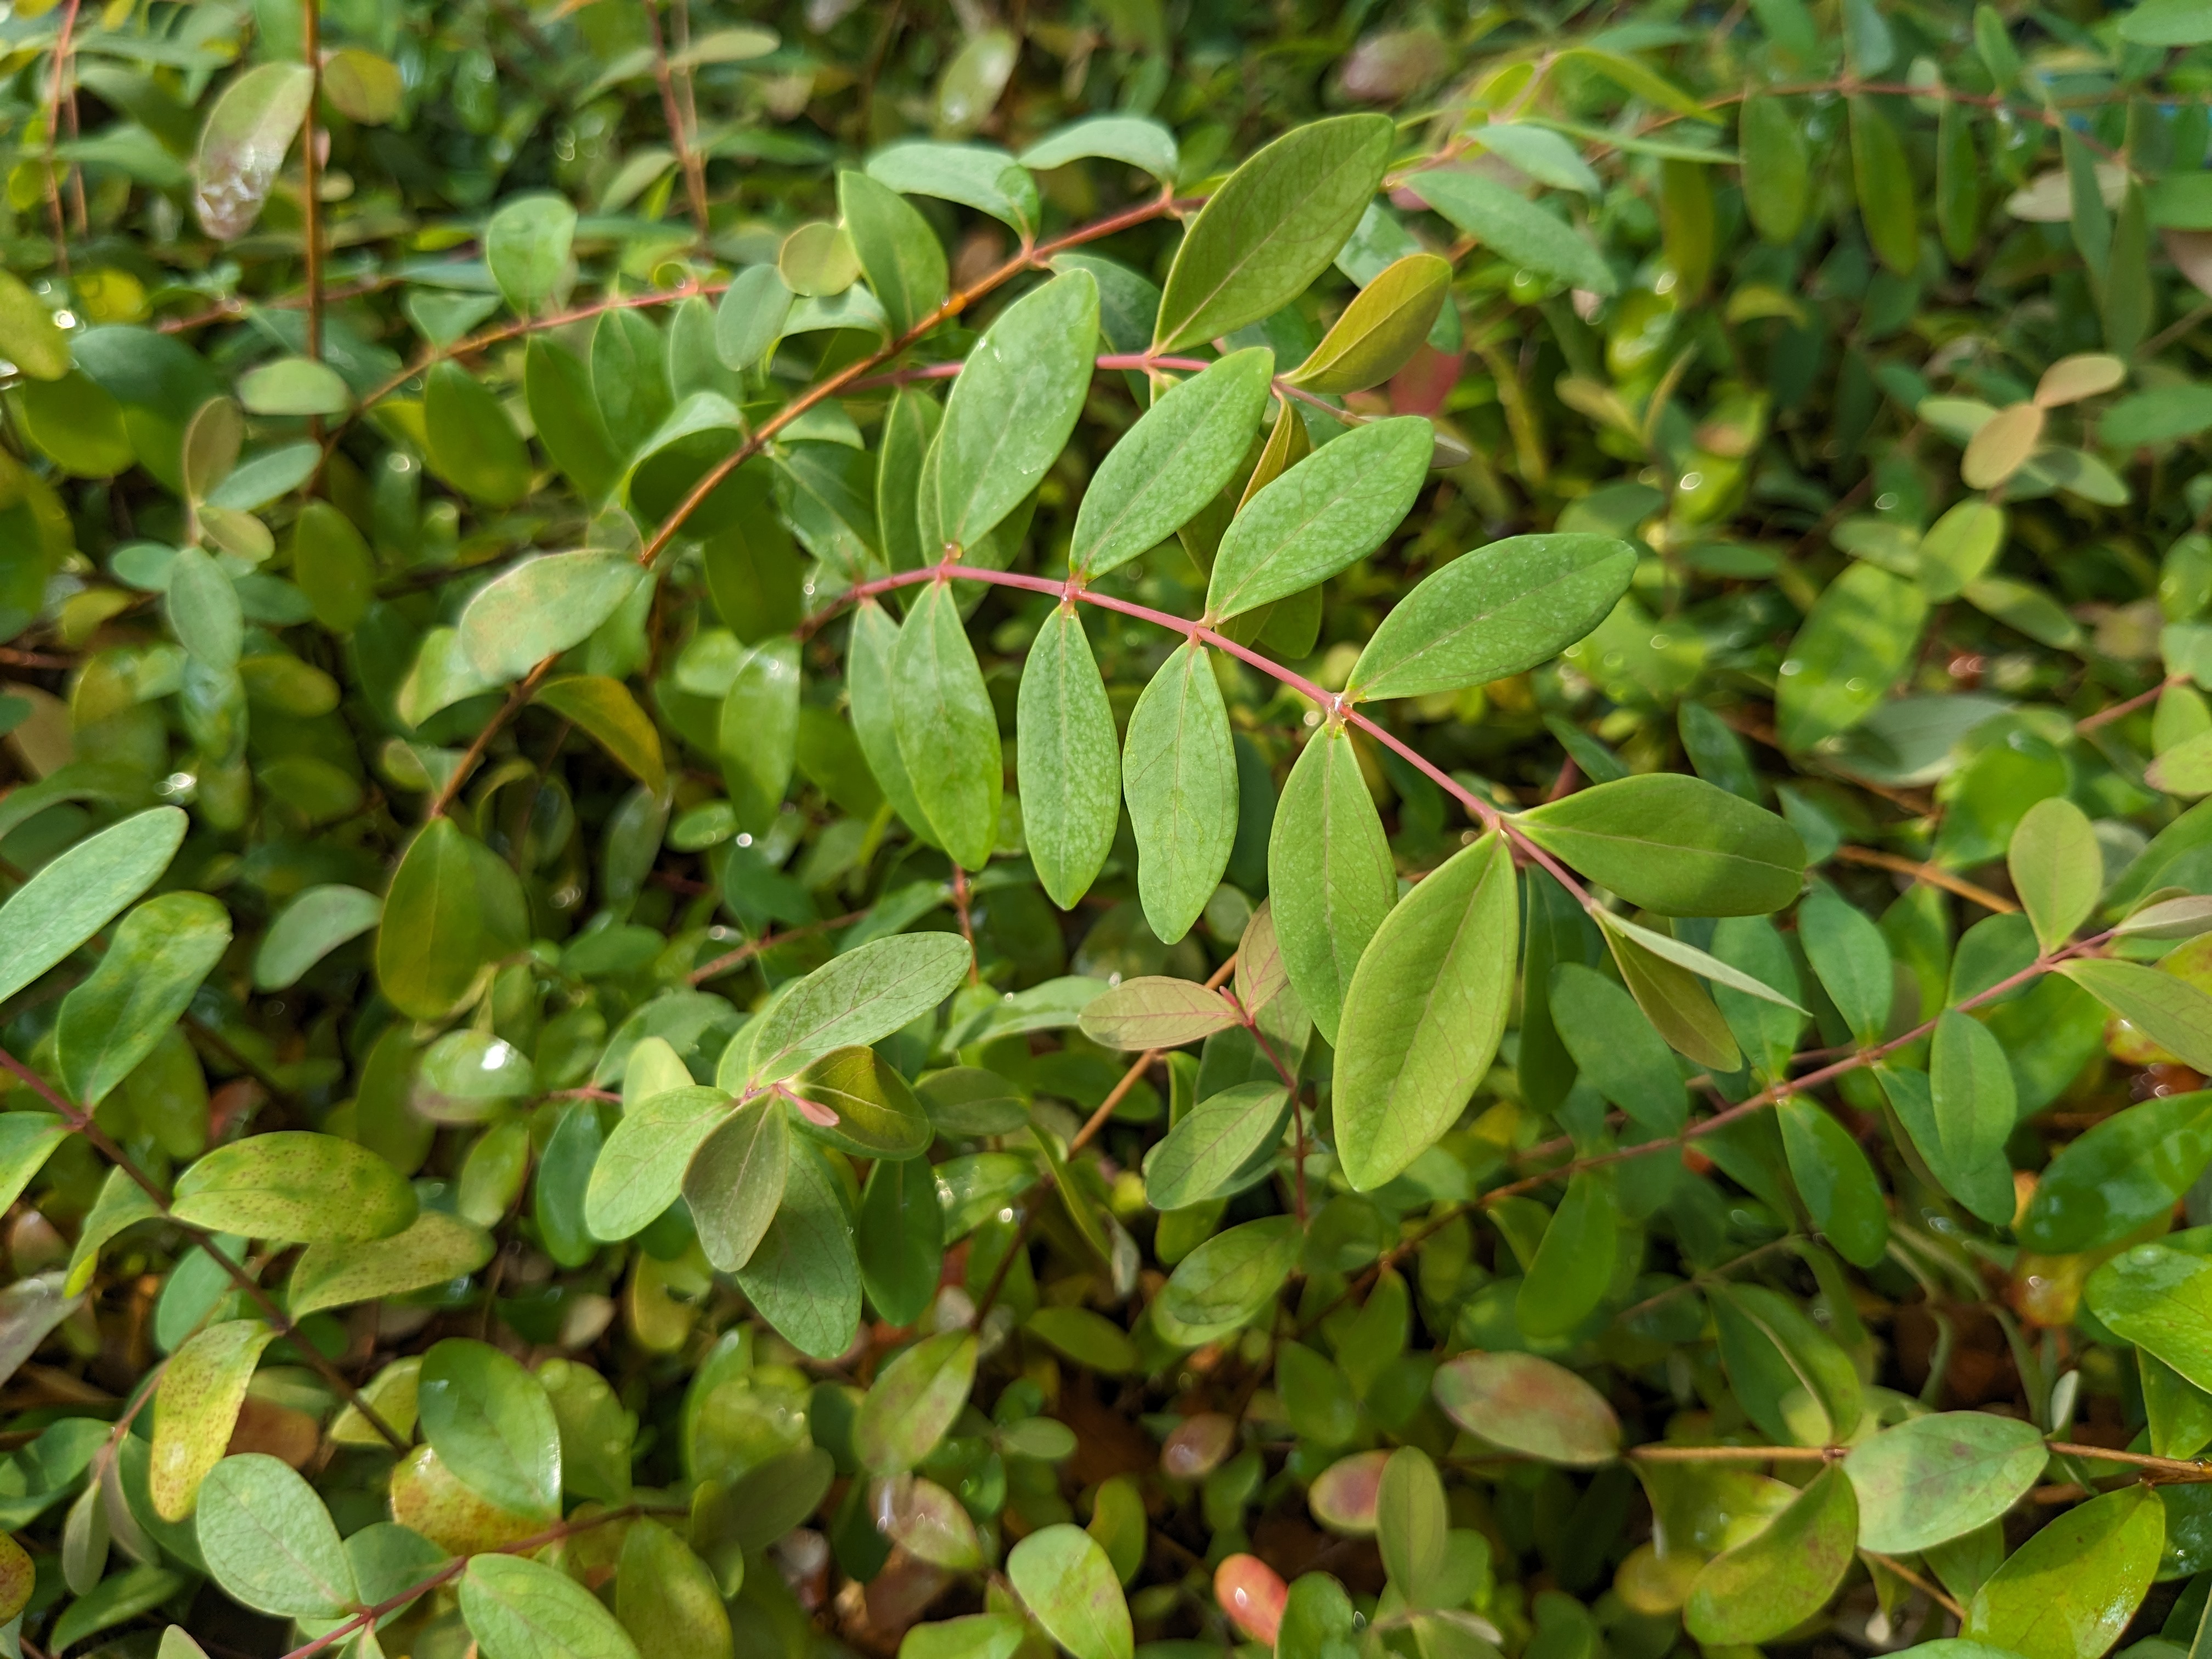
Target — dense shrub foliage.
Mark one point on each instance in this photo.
(1124, 826)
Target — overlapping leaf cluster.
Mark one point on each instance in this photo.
(1124, 828)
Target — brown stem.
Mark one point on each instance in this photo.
(1933, 875)
(62, 45)
(1031, 254)
(966, 924)
(695, 174)
(311, 208)
(453, 1569)
(80, 1123)
(1083, 1137)
(2116, 711)
(1673, 1453)
(2177, 1467)
(1933, 1592)
(504, 331)
(752, 948)
(1251, 1023)
(475, 752)
(1780, 1092)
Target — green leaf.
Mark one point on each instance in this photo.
(1971, 1086)
(899, 1236)
(1330, 510)
(1882, 175)
(913, 1402)
(436, 1249)
(1936, 1478)
(751, 317)
(1011, 409)
(1179, 777)
(73, 897)
(241, 148)
(125, 1596)
(869, 668)
(2168, 1010)
(113, 1019)
(873, 1108)
(856, 998)
(202, 611)
(2129, 1170)
(1516, 229)
(665, 1597)
(604, 708)
(1984, 1184)
(196, 1408)
(469, 441)
(976, 175)
(28, 1140)
(29, 337)
(441, 928)
(1154, 1011)
(1141, 143)
(734, 1182)
(758, 732)
(526, 245)
(1850, 958)
(1090, 1339)
(1958, 547)
(899, 253)
(1776, 169)
(519, 1608)
(492, 1425)
(1959, 209)
(2166, 23)
(543, 606)
(270, 1542)
(1857, 641)
(1678, 1008)
(2071, 1589)
(1070, 766)
(294, 385)
(1231, 1276)
(1424, 1012)
(1412, 1524)
(296, 1187)
(2160, 1299)
(1841, 1191)
(1493, 613)
(1385, 322)
(803, 1277)
(947, 732)
(1330, 878)
(1180, 454)
(1673, 844)
(1616, 1050)
(1793, 1379)
(1784, 1574)
(332, 566)
(1214, 1144)
(122, 1203)
(1272, 229)
(1573, 1266)
(1064, 1578)
(1529, 1405)
(1318, 1620)
(640, 1170)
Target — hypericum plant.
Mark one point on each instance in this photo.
(1443, 908)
